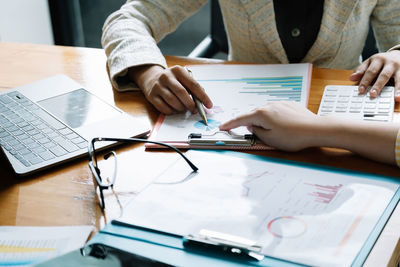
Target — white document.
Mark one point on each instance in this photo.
(234, 90)
(305, 215)
(25, 246)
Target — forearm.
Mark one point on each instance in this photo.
(372, 140)
(130, 35)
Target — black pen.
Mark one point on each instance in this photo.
(199, 105)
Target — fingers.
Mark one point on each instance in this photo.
(161, 106)
(249, 119)
(359, 72)
(370, 74)
(192, 85)
(383, 78)
(161, 97)
(179, 99)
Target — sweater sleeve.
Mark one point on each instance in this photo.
(130, 35)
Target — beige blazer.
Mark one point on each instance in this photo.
(131, 34)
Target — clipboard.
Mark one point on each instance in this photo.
(216, 140)
(221, 138)
(211, 247)
(235, 89)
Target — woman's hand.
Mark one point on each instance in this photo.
(376, 72)
(291, 127)
(169, 89)
(283, 125)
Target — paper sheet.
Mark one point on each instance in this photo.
(25, 246)
(311, 216)
(234, 90)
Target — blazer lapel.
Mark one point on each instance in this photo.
(334, 18)
(262, 17)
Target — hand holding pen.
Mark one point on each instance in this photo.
(199, 105)
(170, 90)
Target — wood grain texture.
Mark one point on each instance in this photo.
(65, 195)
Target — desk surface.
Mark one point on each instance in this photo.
(66, 195)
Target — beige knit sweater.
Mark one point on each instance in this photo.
(130, 35)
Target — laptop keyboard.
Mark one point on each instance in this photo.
(30, 134)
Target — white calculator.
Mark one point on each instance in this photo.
(345, 101)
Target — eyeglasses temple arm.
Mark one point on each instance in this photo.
(194, 167)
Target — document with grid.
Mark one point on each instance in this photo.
(234, 90)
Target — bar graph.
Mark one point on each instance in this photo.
(324, 193)
(286, 88)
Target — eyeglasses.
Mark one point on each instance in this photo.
(107, 183)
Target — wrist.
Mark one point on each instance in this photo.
(140, 75)
(327, 131)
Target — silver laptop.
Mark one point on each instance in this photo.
(51, 121)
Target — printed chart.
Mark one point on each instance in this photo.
(26, 246)
(285, 207)
(236, 90)
(212, 125)
(274, 88)
(21, 252)
(287, 227)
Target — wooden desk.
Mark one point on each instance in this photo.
(66, 195)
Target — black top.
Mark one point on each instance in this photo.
(298, 23)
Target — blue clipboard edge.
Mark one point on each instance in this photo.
(166, 243)
(376, 231)
(120, 235)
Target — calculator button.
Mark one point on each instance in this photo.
(341, 105)
(385, 106)
(328, 105)
(369, 111)
(387, 89)
(332, 89)
(329, 94)
(345, 93)
(369, 106)
(357, 100)
(384, 100)
(386, 94)
(371, 100)
(383, 110)
(343, 99)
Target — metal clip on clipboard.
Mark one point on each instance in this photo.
(223, 243)
(221, 138)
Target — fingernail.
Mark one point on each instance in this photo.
(397, 93)
(361, 88)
